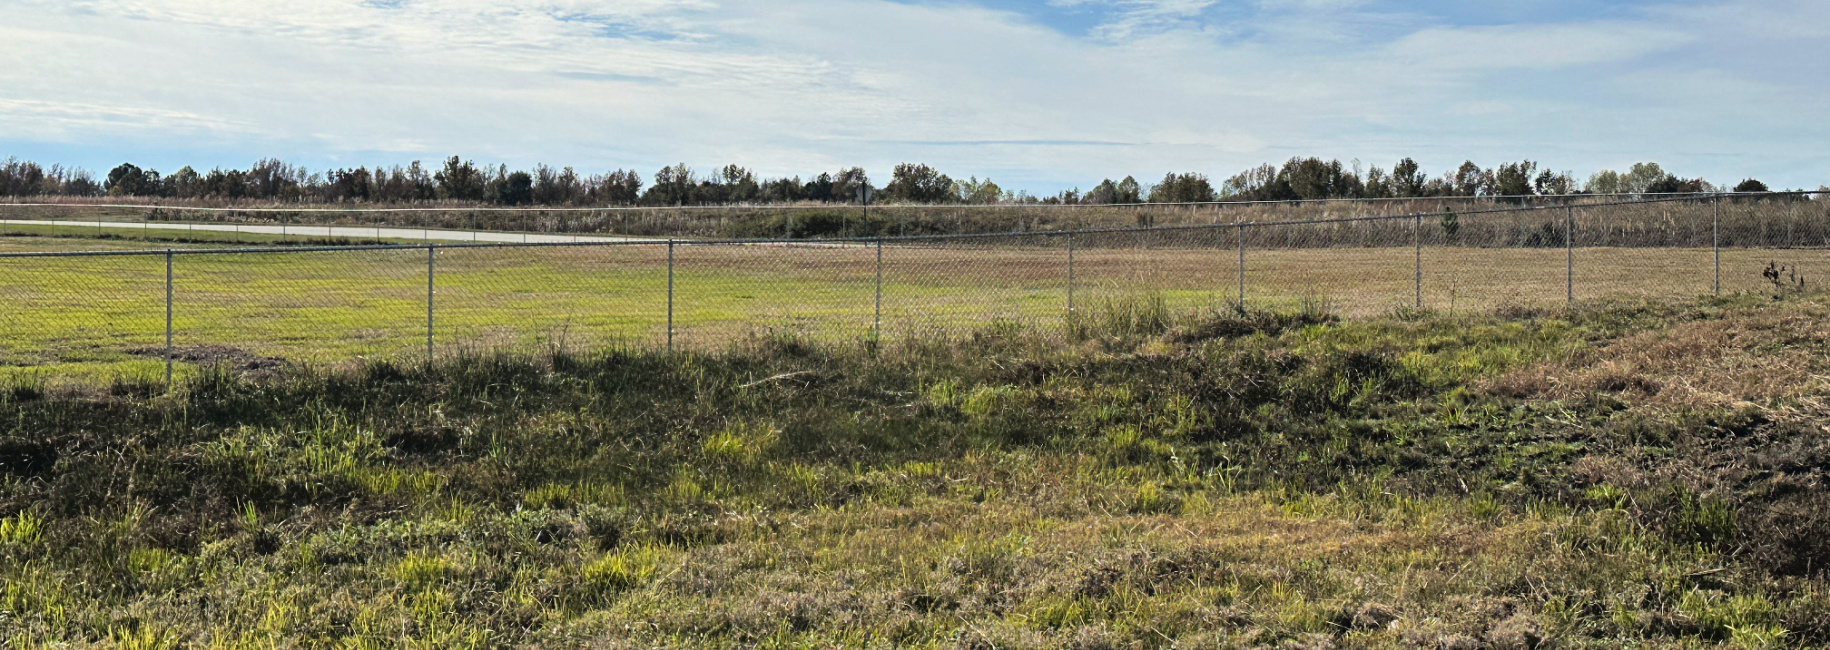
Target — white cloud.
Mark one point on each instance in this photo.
(796, 86)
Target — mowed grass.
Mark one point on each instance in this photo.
(96, 317)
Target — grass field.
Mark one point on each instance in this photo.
(99, 316)
(1620, 474)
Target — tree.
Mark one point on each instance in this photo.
(1312, 179)
(272, 178)
(1640, 178)
(350, 185)
(1606, 181)
(459, 181)
(130, 180)
(516, 188)
(977, 192)
(1128, 192)
(782, 190)
(1751, 185)
(1261, 183)
(851, 185)
(1514, 179)
(818, 188)
(1549, 183)
(1378, 185)
(672, 186)
(736, 185)
(916, 183)
(1182, 188)
(619, 188)
(1408, 179)
(1470, 180)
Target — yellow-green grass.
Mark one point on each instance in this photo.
(101, 316)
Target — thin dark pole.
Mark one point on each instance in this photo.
(1715, 238)
(1417, 240)
(168, 319)
(1569, 255)
(670, 295)
(430, 251)
(1241, 234)
(877, 322)
(1070, 247)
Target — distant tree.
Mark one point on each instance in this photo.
(1129, 192)
(818, 188)
(977, 192)
(1514, 179)
(1378, 184)
(350, 185)
(851, 186)
(511, 189)
(225, 184)
(1549, 183)
(557, 186)
(1408, 179)
(1640, 179)
(1469, 180)
(917, 183)
(1670, 184)
(1105, 193)
(1606, 181)
(672, 186)
(736, 185)
(272, 178)
(1261, 183)
(782, 190)
(1310, 178)
(1751, 185)
(1182, 188)
(130, 180)
(618, 188)
(459, 181)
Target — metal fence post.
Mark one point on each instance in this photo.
(877, 320)
(670, 295)
(168, 319)
(429, 323)
(1569, 255)
(1070, 277)
(1715, 239)
(1417, 241)
(1241, 233)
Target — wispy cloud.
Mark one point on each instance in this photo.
(793, 86)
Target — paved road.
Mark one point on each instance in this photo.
(352, 232)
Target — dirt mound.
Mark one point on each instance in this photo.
(233, 358)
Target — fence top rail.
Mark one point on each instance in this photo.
(836, 240)
(1562, 199)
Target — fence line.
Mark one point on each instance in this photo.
(1010, 254)
(1561, 198)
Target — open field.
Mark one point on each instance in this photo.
(1623, 473)
(96, 316)
(1772, 221)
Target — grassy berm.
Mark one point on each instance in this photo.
(1619, 473)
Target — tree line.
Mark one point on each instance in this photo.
(457, 179)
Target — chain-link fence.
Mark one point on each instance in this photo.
(145, 311)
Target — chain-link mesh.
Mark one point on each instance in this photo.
(90, 312)
(314, 307)
(83, 314)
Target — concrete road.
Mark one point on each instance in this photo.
(351, 232)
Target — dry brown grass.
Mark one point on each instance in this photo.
(1771, 358)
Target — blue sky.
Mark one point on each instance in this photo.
(1037, 95)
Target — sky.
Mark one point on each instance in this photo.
(1041, 96)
